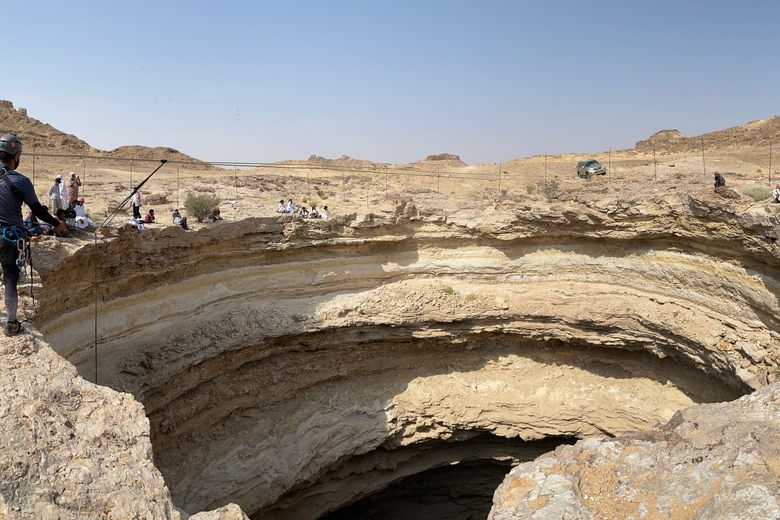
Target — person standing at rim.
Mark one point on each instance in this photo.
(15, 188)
(55, 194)
(135, 200)
(73, 189)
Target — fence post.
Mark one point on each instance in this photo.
(769, 175)
(655, 166)
(703, 160)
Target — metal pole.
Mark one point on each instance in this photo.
(438, 180)
(33, 166)
(703, 160)
(132, 162)
(545, 168)
(367, 183)
(769, 175)
(499, 179)
(386, 182)
(178, 197)
(235, 179)
(609, 163)
(655, 165)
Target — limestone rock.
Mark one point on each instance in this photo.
(71, 449)
(709, 461)
(228, 512)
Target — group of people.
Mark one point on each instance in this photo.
(64, 196)
(289, 207)
(151, 218)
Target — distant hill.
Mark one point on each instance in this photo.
(39, 136)
(447, 160)
(44, 138)
(755, 134)
(345, 161)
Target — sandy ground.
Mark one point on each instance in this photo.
(247, 192)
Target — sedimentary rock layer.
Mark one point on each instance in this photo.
(710, 461)
(272, 355)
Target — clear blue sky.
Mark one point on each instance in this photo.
(390, 80)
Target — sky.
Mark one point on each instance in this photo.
(390, 81)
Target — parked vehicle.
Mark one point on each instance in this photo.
(590, 167)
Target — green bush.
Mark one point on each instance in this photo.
(757, 192)
(200, 205)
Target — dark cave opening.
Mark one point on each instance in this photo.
(461, 491)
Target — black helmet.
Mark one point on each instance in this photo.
(10, 144)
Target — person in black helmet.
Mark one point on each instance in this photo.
(15, 188)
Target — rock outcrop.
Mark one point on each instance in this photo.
(286, 364)
(755, 134)
(71, 449)
(710, 461)
(43, 138)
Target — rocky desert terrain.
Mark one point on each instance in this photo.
(444, 346)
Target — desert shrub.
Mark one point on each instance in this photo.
(530, 189)
(757, 192)
(320, 193)
(314, 202)
(448, 290)
(200, 205)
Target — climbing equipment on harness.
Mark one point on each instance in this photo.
(17, 237)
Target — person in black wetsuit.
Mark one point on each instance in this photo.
(15, 188)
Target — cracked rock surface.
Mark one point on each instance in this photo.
(709, 461)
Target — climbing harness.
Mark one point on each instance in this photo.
(18, 237)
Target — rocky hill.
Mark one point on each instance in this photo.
(755, 134)
(448, 160)
(343, 162)
(39, 136)
(44, 138)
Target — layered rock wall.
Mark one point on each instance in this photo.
(275, 357)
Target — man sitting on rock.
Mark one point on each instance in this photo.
(720, 180)
(149, 218)
(776, 194)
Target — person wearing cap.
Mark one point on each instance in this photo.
(73, 189)
(15, 189)
(55, 194)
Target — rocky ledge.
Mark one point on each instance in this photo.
(710, 461)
